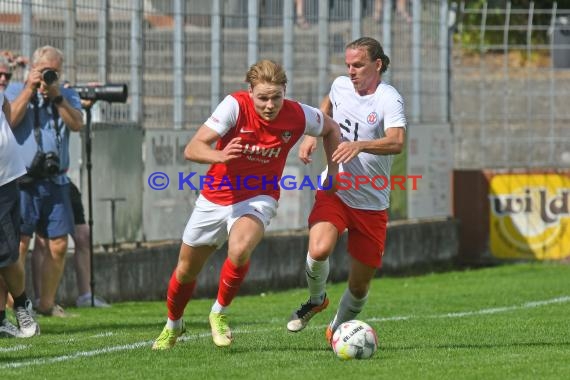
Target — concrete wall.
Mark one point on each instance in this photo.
(278, 263)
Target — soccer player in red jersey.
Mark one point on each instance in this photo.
(254, 131)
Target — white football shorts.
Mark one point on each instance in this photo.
(210, 223)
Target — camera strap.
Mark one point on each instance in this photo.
(55, 115)
(37, 131)
(37, 127)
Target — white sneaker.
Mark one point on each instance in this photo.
(25, 317)
(8, 330)
(303, 315)
(85, 301)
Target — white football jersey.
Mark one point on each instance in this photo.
(12, 165)
(366, 118)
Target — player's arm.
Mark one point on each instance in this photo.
(20, 104)
(326, 106)
(392, 143)
(200, 150)
(224, 118)
(331, 139)
(6, 109)
(309, 143)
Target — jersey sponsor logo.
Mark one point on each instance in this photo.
(286, 136)
(372, 118)
(261, 151)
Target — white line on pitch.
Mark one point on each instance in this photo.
(19, 347)
(133, 346)
(494, 310)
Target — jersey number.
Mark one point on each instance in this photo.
(346, 129)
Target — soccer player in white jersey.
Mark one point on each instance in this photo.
(371, 117)
(254, 131)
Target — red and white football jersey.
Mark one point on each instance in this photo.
(266, 145)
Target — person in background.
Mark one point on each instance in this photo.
(5, 73)
(11, 267)
(401, 10)
(371, 116)
(254, 131)
(301, 21)
(81, 259)
(80, 236)
(43, 114)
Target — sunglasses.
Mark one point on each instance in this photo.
(8, 76)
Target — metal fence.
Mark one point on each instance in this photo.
(180, 58)
(510, 99)
(511, 86)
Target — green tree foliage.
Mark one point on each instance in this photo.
(489, 33)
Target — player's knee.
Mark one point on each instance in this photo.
(240, 254)
(320, 251)
(183, 273)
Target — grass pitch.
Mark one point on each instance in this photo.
(507, 322)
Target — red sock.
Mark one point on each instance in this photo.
(177, 297)
(230, 281)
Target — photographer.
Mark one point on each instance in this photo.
(43, 114)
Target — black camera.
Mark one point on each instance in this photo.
(108, 92)
(49, 76)
(44, 165)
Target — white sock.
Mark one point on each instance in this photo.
(218, 308)
(174, 324)
(317, 273)
(349, 307)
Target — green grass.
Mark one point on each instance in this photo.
(479, 324)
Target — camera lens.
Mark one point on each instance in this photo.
(49, 76)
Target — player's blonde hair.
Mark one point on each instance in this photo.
(374, 50)
(266, 71)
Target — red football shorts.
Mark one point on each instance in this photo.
(366, 228)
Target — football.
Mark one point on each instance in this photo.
(354, 340)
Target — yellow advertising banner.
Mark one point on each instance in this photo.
(529, 215)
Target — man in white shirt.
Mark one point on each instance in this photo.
(371, 117)
(11, 267)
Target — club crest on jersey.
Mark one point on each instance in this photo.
(286, 136)
(372, 118)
